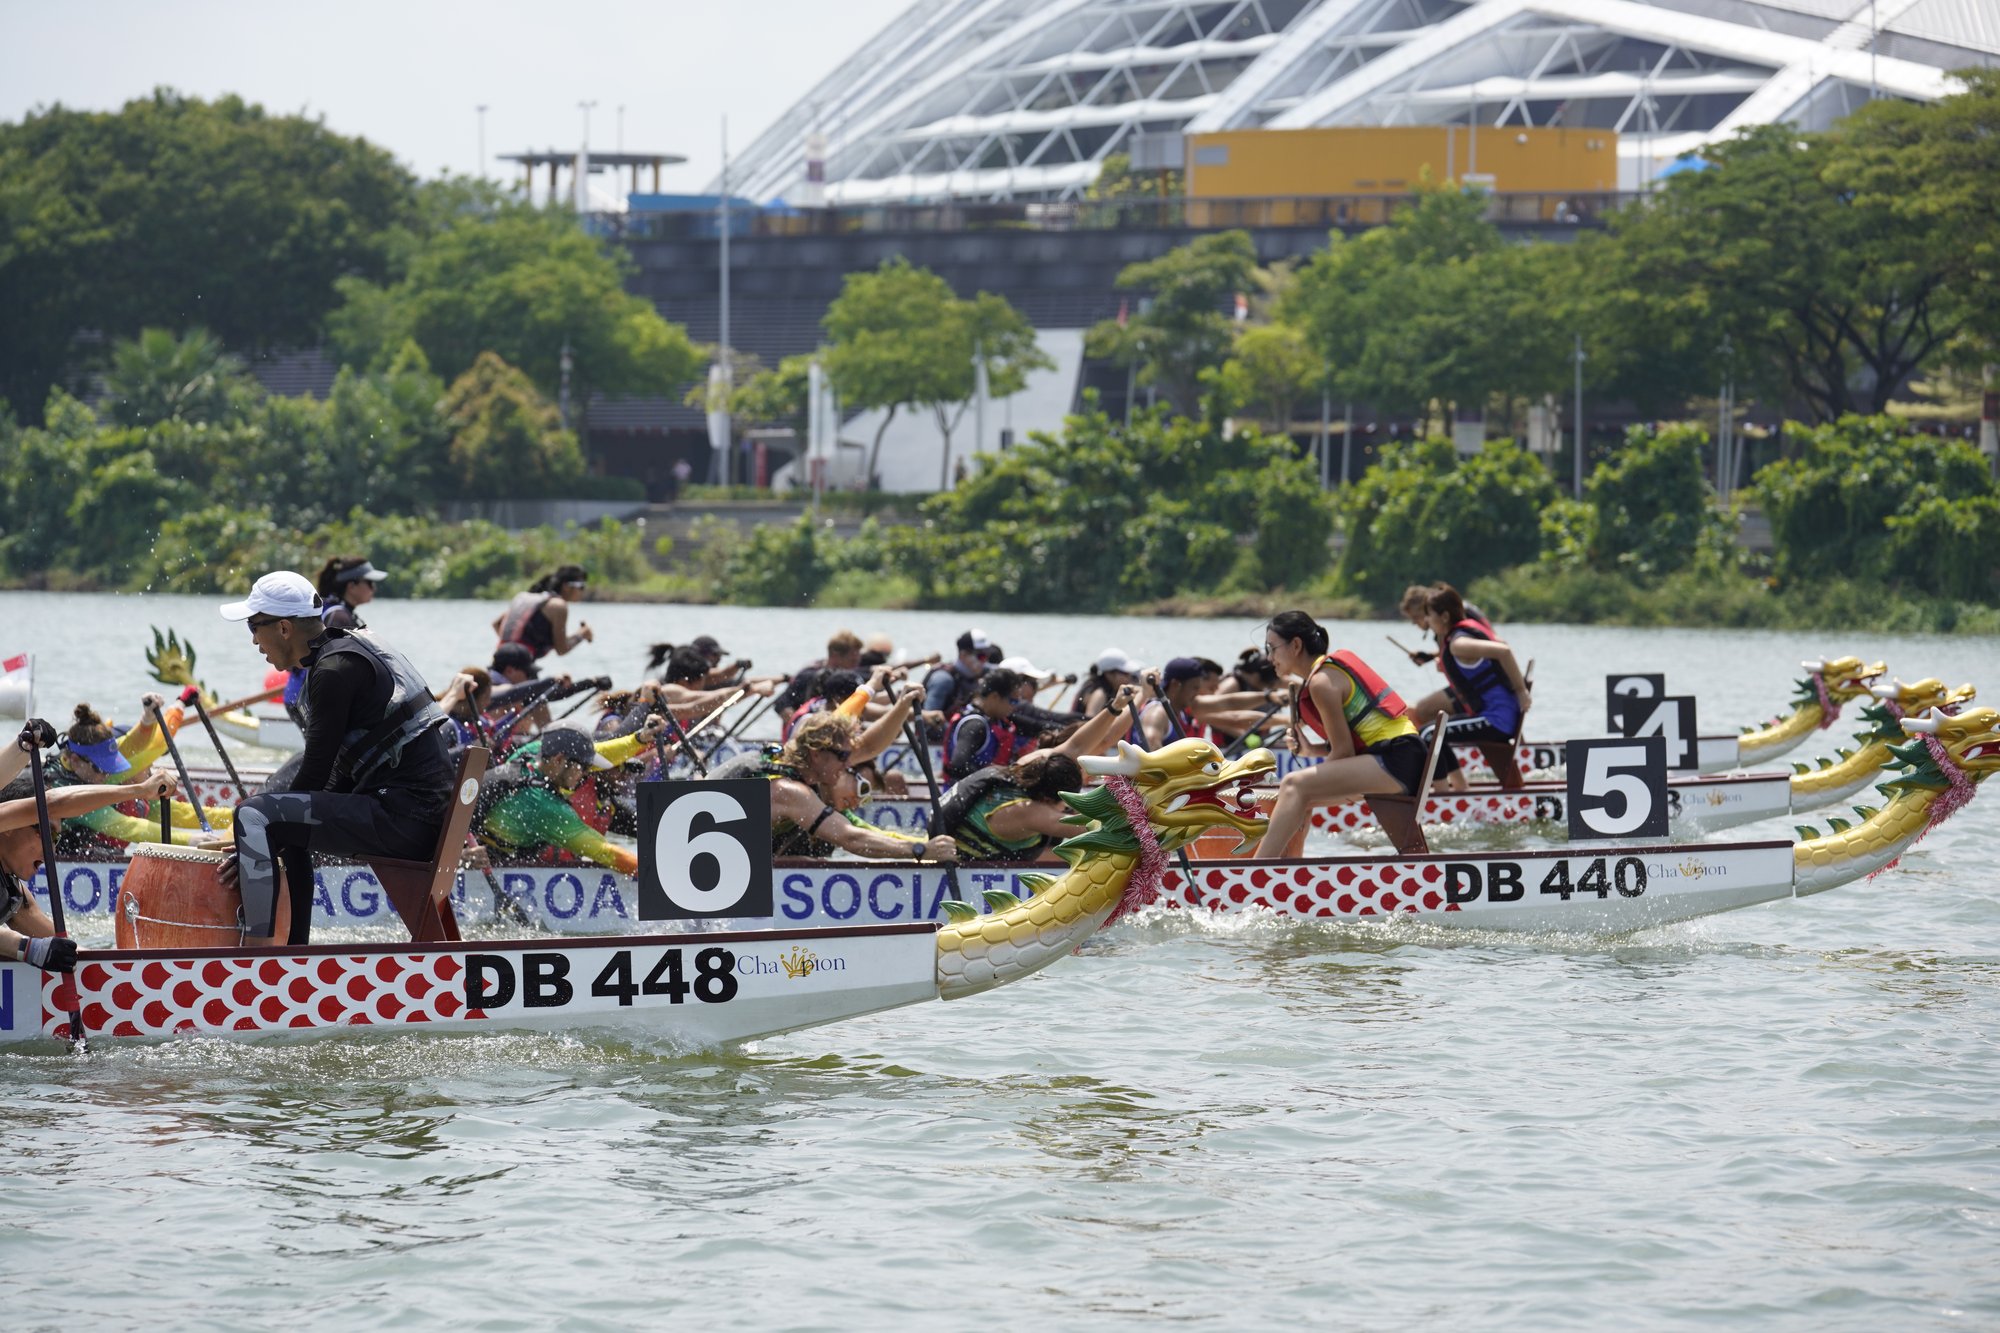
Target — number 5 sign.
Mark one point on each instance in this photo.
(704, 849)
(1618, 788)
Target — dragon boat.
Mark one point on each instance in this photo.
(1587, 888)
(691, 988)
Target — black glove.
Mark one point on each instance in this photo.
(57, 954)
(1421, 658)
(37, 734)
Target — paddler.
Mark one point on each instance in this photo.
(950, 687)
(375, 773)
(92, 754)
(538, 619)
(1114, 667)
(1369, 744)
(843, 653)
(1014, 812)
(26, 932)
(525, 809)
(805, 777)
(346, 584)
(984, 734)
(1194, 713)
(1486, 680)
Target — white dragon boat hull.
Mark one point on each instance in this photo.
(689, 990)
(1720, 802)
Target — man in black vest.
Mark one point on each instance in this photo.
(376, 772)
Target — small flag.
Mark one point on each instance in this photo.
(17, 686)
(1242, 307)
(1124, 313)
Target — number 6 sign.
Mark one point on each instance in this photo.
(704, 849)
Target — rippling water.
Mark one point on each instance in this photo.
(1782, 1117)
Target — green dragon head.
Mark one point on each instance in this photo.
(1971, 738)
(172, 661)
(1183, 785)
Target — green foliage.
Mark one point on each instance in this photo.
(1654, 511)
(1864, 500)
(158, 377)
(521, 283)
(1181, 328)
(1424, 513)
(506, 439)
(780, 565)
(173, 210)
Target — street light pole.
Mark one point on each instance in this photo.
(1576, 430)
(482, 140)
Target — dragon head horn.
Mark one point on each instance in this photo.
(1126, 765)
(1889, 691)
(1926, 725)
(1816, 664)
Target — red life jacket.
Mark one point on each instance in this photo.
(1374, 691)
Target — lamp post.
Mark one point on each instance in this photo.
(481, 108)
(1577, 429)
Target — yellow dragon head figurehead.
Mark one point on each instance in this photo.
(1187, 787)
(1970, 739)
(1912, 698)
(1843, 678)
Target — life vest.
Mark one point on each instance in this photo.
(410, 714)
(1370, 695)
(1185, 726)
(1483, 689)
(787, 837)
(525, 624)
(963, 813)
(1002, 742)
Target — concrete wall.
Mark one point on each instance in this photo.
(518, 514)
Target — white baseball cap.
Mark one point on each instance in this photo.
(1116, 659)
(280, 593)
(1023, 666)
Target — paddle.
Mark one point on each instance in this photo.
(754, 710)
(249, 699)
(913, 735)
(68, 986)
(1411, 653)
(503, 901)
(193, 696)
(1236, 746)
(174, 753)
(1173, 728)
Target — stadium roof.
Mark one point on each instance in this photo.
(1023, 99)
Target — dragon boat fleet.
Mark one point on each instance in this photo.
(752, 947)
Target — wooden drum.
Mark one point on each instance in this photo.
(174, 898)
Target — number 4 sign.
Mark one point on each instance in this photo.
(1672, 719)
(1618, 788)
(704, 849)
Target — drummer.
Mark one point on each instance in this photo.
(375, 775)
(26, 932)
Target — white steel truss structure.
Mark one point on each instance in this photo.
(1024, 99)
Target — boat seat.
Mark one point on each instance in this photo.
(420, 891)
(1401, 817)
(1503, 758)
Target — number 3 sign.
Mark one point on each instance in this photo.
(704, 849)
(1618, 788)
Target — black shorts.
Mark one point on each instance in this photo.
(1402, 759)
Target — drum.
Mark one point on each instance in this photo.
(174, 898)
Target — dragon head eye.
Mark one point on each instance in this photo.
(1211, 768)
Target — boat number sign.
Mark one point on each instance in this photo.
(704, 849)
(1639, 705)
(545, 980)
(1618, 788)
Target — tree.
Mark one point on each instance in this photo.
(1835, 265)
(173, 212)
(158, 377)
(522, 283)
(1181, 328)
(899, 337)
(1272, 364)
(506, 439)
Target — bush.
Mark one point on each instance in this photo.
(1831, 508)
(1424, 514)
(1654, 510)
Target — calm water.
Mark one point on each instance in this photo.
(1784, 1117)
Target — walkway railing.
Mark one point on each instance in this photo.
(1353, 211)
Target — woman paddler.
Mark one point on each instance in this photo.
(1014, 812)
(346, 584)
(25, 928)
(539, 617)
(1370, 745)
(1487, 681)
(93, 755)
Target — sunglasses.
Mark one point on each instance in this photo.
(841, 755)
(256, 624)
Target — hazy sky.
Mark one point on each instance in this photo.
(407, 75)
